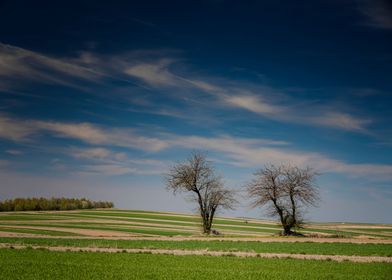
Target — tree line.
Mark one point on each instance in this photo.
(41, 204)
(284, 190)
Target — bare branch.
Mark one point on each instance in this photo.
(285, 190)
(197, 176)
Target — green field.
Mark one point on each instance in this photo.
(84, 230)
(170, 224)
(38, 264)
(37, 231)
(348, 249)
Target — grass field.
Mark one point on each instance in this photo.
(155, 224)
(38, 264)
(173, 232)
(348, 249)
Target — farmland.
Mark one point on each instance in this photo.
(155, 245)
(36, 264)
(110, 223)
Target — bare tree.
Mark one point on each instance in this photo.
(197, 176)
(286, 190)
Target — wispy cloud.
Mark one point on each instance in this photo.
(342, 120)
(377, 12)
(94, 153)
(15, 130)
(106, 169)
(93, 134)
(21, 130)
(257, 99)
(104, 161)
(14, 152)
(244, 152)
(242, 97)
(159, 71)
(113, 169)
(254, 104)
(252, 153)
(20, 64)
(154, 73)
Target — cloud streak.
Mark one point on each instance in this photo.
(20, 130)
(104, 161)
(15, 130)
(252, 154)
(19, 65)
(154, 73)
(260, 100)
(377, 12)
(242, 152)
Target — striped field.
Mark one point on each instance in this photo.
(132, 244)
(127, 223)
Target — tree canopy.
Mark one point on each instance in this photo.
(285, 190)
(41, 204)
(197, 176)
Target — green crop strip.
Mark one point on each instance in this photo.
(172, 218)
(38, 231)
(105, 227)
(39, 264)
(31, 217)
(155, 219)
(348, 249)
(161, 223)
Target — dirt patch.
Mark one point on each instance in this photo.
(339, 258)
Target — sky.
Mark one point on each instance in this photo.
(99, 99)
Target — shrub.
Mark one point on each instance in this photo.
(40, 204)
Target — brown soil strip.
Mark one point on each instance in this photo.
(339, 258)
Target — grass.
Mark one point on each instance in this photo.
(184, 227)
(171, 217)
(147, 231)
(39, 264)
(43, 264)
(103, 227)
(30, 217)
(243, 225)
(215, 245)
(38, 231)
(170, 224)
(196, 226)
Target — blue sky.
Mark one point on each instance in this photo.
(99, 99)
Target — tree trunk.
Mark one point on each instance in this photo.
(211, 218)
(207, 229)
(203, 212)
(287, 230)
(294, 208)
(206, 224)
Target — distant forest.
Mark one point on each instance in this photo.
(40, 204)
